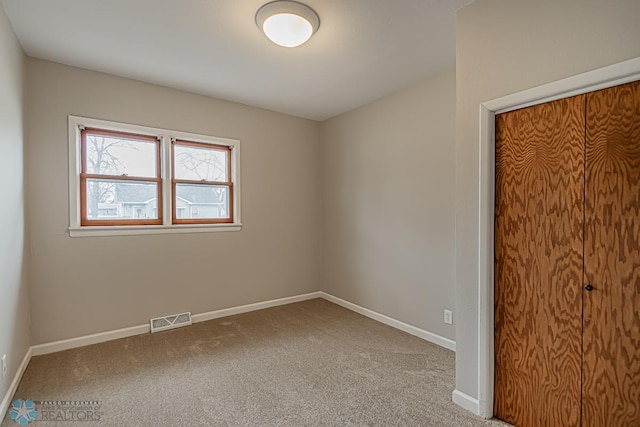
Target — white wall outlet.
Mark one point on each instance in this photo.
(4, 366)
(448, 317)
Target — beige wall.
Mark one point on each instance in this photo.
(87, 285)
(14, 299)
(387, 184)
(503, 47)
(388, 172)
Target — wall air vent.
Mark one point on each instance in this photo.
(170, 322)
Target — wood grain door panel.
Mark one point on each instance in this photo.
(611, 367)
(539, 219)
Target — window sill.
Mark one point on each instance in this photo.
(128, 230)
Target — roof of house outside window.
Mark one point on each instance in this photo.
(140, 193)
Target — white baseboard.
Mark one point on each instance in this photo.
(53, 347)
(67, 344)
(410, 329)
(467, 402)
(203, 317)
(6, 401)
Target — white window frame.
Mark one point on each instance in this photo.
(165, 136)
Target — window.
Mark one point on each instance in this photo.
(128, 179)
(202, 178)
(119, 170)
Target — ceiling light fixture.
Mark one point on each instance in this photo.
(287, 23)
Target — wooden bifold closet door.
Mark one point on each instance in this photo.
(611, 360)
(539, 218)
(567, 261)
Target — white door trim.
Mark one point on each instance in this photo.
(613, 75)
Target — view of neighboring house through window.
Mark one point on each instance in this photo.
(127, 175)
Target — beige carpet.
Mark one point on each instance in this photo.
(307, 364)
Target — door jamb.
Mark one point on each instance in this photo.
(613, 75)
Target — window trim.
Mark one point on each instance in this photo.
(165, 137)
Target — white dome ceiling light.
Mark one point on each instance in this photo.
(287, 23)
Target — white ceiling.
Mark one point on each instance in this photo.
(364, 49)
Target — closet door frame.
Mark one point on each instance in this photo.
(613, 75)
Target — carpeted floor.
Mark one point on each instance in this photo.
(306, 364)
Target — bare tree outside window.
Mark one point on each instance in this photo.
(103, 162)
(200, 164)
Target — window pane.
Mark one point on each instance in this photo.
(110, 155)
(121, 200)
(202, 201)
(200, 164)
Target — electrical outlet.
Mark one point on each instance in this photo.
(4, 366)
(448, 317)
